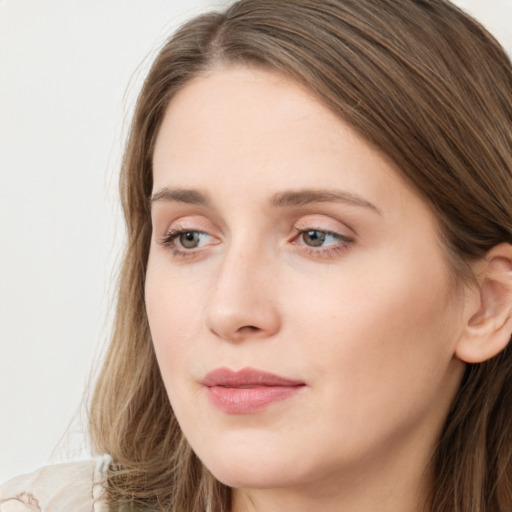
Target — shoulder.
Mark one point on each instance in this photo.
(70, 487)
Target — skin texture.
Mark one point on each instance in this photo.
(369, 320)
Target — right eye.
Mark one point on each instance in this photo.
(183, 241)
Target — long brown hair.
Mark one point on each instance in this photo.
(430, 88)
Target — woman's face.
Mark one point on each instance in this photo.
(299, 299)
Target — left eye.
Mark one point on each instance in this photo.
(318, 238)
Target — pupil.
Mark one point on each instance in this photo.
(315, 238)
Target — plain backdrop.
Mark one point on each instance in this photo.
(70, 71)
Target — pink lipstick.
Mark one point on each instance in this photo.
(247, 390)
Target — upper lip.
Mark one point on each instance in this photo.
(246, 377)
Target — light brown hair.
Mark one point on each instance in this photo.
(431, 89)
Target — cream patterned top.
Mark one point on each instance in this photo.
(70, 487)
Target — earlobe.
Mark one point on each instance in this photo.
(489, 320)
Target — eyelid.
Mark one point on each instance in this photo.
(175, 233)
(169, 242)
(342, 238)
(324, 224)
(327, 223)
(192, 223)
(328, 232)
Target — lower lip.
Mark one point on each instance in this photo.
(248, 400)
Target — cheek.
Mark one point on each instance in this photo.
(399, 304)
(381, 343)
(175, 317)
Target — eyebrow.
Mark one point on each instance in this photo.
(284, 199)
(305, 197)
(178, 195)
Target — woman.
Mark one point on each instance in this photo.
(315, 304)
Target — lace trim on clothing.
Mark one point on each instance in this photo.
(98, 483)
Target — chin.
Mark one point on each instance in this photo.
(252, 476)
(252, 466)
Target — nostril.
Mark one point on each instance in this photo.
(251, 328)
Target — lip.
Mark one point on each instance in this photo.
(247, 390)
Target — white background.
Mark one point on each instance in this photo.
(69, 73)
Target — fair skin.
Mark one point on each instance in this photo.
(344, 288)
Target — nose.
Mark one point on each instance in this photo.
(243, 304)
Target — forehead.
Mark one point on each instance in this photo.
(248, 107)
(243, 123)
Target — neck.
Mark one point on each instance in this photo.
(362, 497)
(396, 481)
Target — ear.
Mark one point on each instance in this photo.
(488, 315)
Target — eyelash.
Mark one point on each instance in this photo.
(326, 252)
